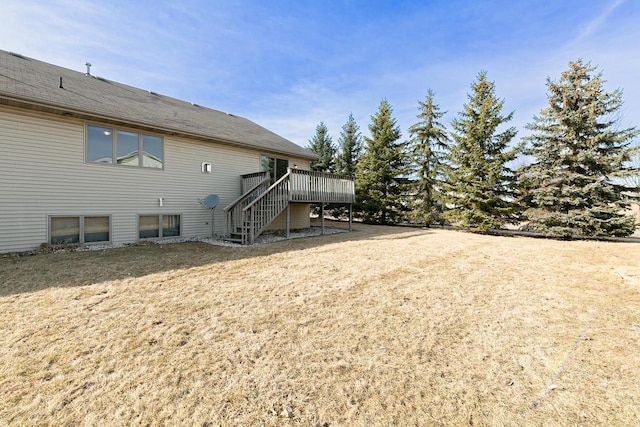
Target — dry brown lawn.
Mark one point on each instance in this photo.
(379, 327)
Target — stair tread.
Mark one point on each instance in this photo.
(230, 239)
(263, 213)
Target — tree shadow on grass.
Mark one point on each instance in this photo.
(32, 273)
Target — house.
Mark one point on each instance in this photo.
(87, 160)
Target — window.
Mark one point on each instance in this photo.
(65, 230)
(96, 229)
(154, 226)
(149, 226)
(127, 148)
(99, 144)
(79, 229)
(106, 144)
(152, 151)
(277, 168)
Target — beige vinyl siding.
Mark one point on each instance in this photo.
(28, 169)
(43, 173)
(300, 163)
(299, 218)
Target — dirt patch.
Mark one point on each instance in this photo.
(382, 326)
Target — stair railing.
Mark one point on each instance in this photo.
(234, 212)
(265, 208)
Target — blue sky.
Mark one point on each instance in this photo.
(290, 65)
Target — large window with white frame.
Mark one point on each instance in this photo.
(156, 226)
(122, 147)
(79, 229)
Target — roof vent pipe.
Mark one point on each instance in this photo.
(60, 86)
(88, 64)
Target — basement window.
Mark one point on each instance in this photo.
(120, 147)
(79, 229)
(157, 226)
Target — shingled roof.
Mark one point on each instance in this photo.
(28, 83)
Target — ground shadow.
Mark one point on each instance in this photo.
(31, 273)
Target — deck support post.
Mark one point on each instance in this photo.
(350, 216)
(288, 221)
(322, 217)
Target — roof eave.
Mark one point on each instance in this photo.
(30, 104)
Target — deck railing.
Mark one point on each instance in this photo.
(250, 180)
(317, 187)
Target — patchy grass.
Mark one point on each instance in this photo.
(382, 326)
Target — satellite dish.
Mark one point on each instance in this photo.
(211, 201)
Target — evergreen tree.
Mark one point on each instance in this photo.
(479, 188)
(428, 147)
(574, 184)
(350, 145)
(322, 144)
(349, 148)
(381, 170)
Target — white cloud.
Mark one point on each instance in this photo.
(591, 27)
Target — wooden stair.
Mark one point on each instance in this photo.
(250, 214)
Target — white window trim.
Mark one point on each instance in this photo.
(81, 239)
(114, 145)
(159, 215)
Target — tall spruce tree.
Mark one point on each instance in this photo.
(349, 148)
(574, 186)
(381, 170)
(322, 144)
(428, 147)
(479, 189)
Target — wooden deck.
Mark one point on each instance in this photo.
(260, 204)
